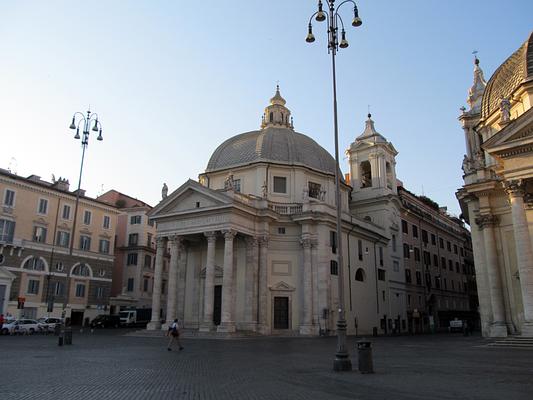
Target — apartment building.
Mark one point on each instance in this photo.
(52, 266)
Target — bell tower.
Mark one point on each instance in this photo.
(372, 164)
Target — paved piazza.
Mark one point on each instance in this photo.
(109, 365)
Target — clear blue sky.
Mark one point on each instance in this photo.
(171, 80)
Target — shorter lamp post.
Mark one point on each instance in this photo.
(80, 119)
(342, 360)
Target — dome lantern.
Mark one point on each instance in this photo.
(276, 114)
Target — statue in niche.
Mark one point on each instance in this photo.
(322, 195)
(505, 109)
(164, 191)
(305, 194)
(264, 190)
(229, 183)
(467, 165)
(479, 160)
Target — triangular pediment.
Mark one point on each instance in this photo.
(191, 196)
(516, 133)
(282, 287)
(5, 274)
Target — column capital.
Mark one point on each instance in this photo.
(175, 240)
(306, 242)
(211, 236)
(229, 234)
(161, 242)
(263, 240)
(252, 241)
(488, 220)
(514, 187)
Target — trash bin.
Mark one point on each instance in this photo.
(68, 336)
(364, 355)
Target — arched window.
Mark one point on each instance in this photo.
(34, 264)
(360, 275)
(388, 170)
(366, 174)
(271, 116)
(81, 270)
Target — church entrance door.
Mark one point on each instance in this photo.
(281, 313)
(217, 308)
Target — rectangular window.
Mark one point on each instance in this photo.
(85, 243)
(437, 282)
(360, 249)
(461, 251)
(150, 222)
(445, 284)
(427, 258)
(80, 290)
(381, 274)
(100, 291)
(58, 289)
(66, 211)
(103, 246)
(147, 261)
(435, 260)
(132, 259)
(334, 267)
(280, 184)
(394, 243)
(9, 198)
(281, 230)
(133, 239)
(145, 284)
(433, 239)
(409, 300)
(453, 284)
(33, 286)
(455, 248)
(135, 219)
(107, 222)
(448, 245)
(443, 262)
(149, 239)
(407, 275)
(7, 230)
(441, 243)
(406, 250)
(405, 227)
(237, 185)
(415, 231)
(63, 239)
(381, 256)
(424, 236)
(130, 284)
(333, 241)
(43, 206)
(396, 266)
(87, 217)
(314, 190)
(450, 265)
(457, 267)
(418, 278)
(39, 234)
(417, 254)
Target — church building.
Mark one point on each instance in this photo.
(496, 197)
(253, 243)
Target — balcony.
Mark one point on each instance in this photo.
(285, 208)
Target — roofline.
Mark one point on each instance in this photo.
(144, 204)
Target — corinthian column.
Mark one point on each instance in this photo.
(264, 326)
(251, 274)
(155, 323)
(175, 242)
(227, 321)
(209, 284)
(498, 327)
(307, 318)
(524, 255)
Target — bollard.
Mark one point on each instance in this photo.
(61, 337)
(364, 355)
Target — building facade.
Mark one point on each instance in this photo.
(133, 272)
(496, 196)
(438, 262)
(36, 230)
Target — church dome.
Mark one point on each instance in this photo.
(276, 142)
(517, 69)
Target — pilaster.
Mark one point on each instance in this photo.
(155, 323)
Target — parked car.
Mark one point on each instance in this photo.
(48, 324)
(106, 321)
(22, 326)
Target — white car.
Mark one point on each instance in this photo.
(48, 324)
(22, 326)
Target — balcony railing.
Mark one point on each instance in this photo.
(285, 208)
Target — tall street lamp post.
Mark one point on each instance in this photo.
(342, 360)
(80, 119)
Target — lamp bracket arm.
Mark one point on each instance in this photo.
(345, 1)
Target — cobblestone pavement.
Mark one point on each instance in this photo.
(108, 365)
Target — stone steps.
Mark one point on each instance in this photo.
(513, 342)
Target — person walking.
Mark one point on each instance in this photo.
(174, 333)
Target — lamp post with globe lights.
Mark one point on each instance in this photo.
(342, 360)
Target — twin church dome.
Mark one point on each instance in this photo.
(276, 142)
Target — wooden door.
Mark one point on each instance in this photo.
(281, 313)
